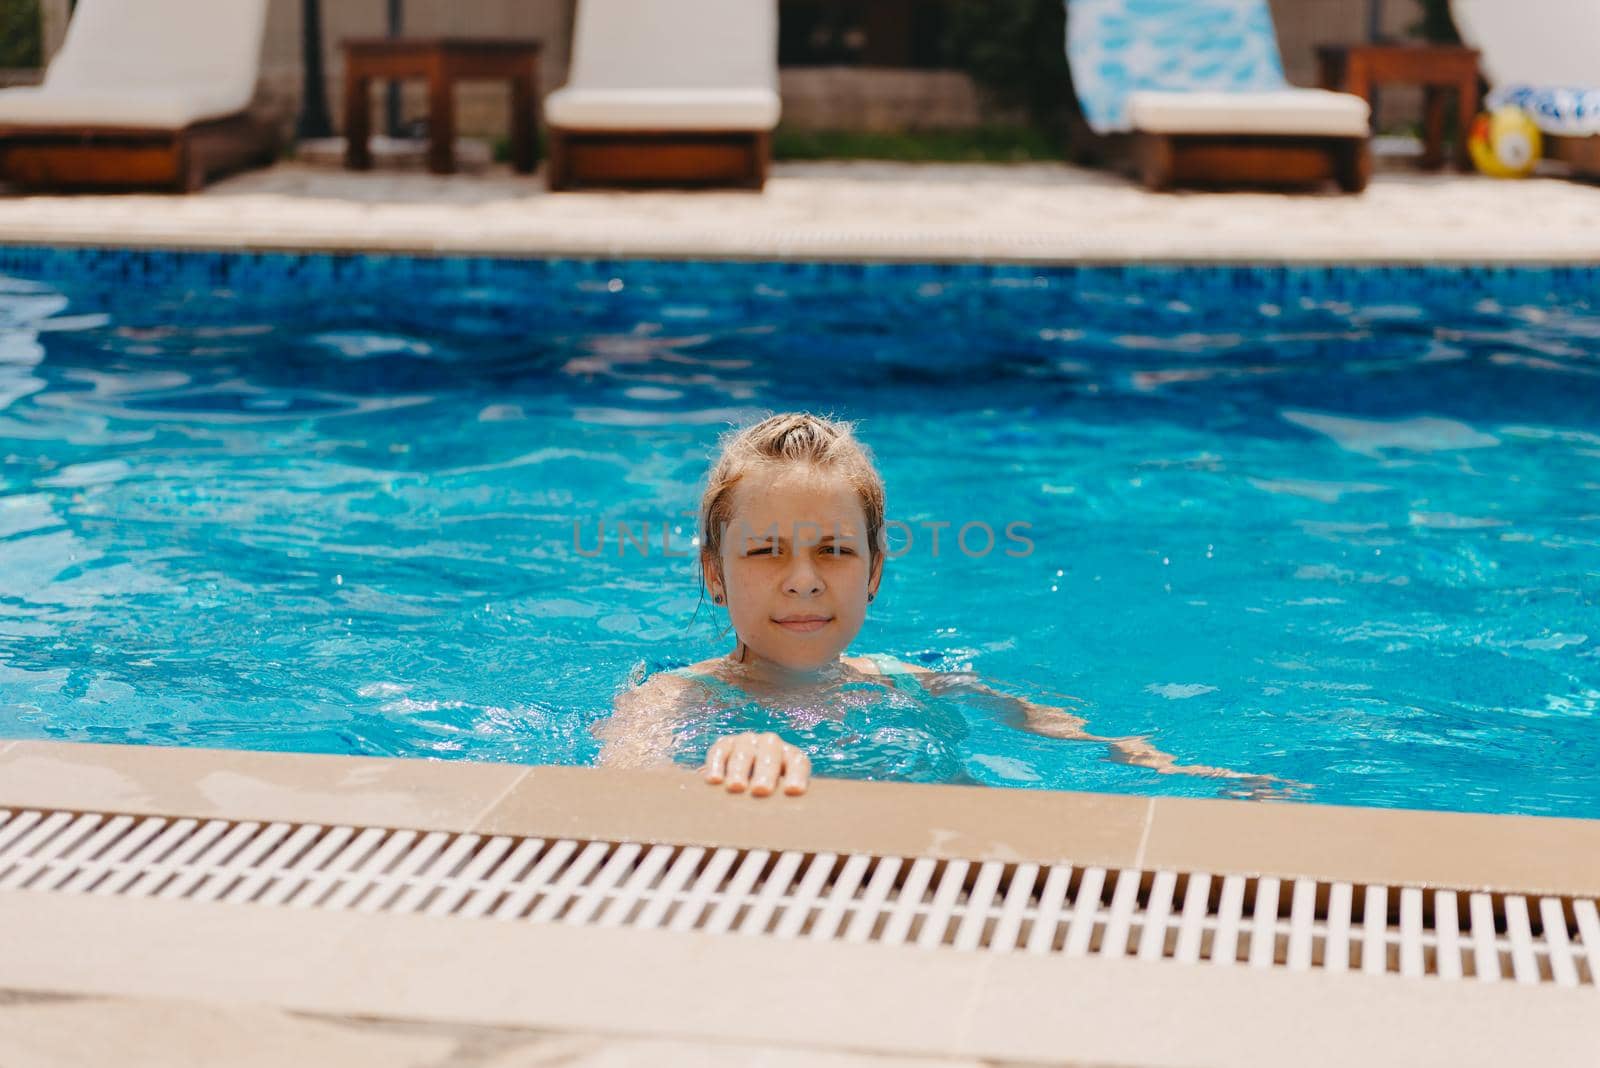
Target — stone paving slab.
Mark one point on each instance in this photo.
(846, 210)
(52, 1031)
(517, 980)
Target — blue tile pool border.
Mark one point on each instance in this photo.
(1363, 283)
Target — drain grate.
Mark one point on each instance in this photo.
(1075, 911)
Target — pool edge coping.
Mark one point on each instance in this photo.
(1392, 847)
(818, 250)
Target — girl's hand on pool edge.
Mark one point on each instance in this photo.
(760, 763)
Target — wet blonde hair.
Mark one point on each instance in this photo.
(787, 439)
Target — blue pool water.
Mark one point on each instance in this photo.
(1339, 526)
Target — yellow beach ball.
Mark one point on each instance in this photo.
(1504, 144)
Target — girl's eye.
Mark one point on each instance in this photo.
(839, 550)
(765, 550)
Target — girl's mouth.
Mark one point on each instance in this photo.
(803, 624)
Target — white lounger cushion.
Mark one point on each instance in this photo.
(663, 109)
(1313, 112)
(147, 63)
(683, 64)
(159, 109)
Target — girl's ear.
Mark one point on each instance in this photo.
(711, 577)
(876, 576)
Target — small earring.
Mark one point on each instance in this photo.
(870, 596)
(716, 598)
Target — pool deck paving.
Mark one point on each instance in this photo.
(52, 1030)
(1032, 213)
(451, 990)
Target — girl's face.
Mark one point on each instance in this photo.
(795, 566)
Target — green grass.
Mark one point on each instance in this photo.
(501, 147)
(986, 144)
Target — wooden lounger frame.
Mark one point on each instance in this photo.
(1165, 160)
(588, 157)
(1162, 161)
(104, 157)
(1581, 154)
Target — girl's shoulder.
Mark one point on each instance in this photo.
(867, 664)
(712, 671)
(656, 690)
(882, 664)
(707, 674)
(896, 673)
(705, 669)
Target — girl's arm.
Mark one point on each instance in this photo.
(641, 732)
(1059, 723)
(1053, 722)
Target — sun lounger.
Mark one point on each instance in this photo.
(684, 92)
(1197, 87)
(1542, 56)
(142, 93)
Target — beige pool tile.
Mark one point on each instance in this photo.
(153, 1033)
(1388, 846)
(1168, 1015)
(655, 987)
(835, 815)
(136, 1032)
(1525, 854)
(610, 981)
(592, 1052)
(207, 783)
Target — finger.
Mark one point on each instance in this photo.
(716, 768)
(741, 759)
(768, 761)
(796, 771)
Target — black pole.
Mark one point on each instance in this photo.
(313, 120)
(1375, 21)
(392, 94)
(1375, 35)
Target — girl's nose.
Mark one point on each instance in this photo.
(802, 578)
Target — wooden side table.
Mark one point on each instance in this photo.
(1439, 69)
(443, 61)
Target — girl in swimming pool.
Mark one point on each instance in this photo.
(792, 545)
